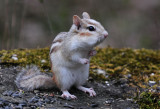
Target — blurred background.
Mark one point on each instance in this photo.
(34, 23)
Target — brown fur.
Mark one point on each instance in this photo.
(85, 34)
(91, 23)
(54, 49)
(55, 80)
(59, 40)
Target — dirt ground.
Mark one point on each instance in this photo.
(110, 95)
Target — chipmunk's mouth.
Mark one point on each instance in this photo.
(101, 39)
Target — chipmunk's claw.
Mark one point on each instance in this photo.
(87, 90)
(67, 95)
(92, 52)
(84, 61)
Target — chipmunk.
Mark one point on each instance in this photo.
(70, 55)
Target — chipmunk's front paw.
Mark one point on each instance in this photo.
(92, 52)
(84, 61)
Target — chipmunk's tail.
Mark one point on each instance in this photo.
(31, 79)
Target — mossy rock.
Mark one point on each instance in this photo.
(117, 63)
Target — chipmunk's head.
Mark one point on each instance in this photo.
(88, 31)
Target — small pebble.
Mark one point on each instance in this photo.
(129, 75)
(1, 103)
(6, 102)
(14, 57)
(108, 101)
(33, 106)
(23, 104)
(68, 106)
(36, 91)
(18, 107)
(16, 95)
(151, 83)
(107, 76)
(128, 108)
(100, 71)
(8, 107)
(39, 104)
(129, 99)
(124, 85)
(158, 88)
(121, 100)
(46, 100)
(107, 83)
(34, 99)
(152, 74)
(94, 105)
(7, 93)
(43, 61)
(123, 80)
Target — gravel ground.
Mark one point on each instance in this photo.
(110, 95)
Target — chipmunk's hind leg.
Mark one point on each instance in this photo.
(87, 90)
(67, 95)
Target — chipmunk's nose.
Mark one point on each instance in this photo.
(105, 34)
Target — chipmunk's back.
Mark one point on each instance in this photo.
(58, 41)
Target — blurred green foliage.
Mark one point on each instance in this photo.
(130, 23)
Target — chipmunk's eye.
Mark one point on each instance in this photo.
(91, 28)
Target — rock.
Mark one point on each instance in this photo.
(1, 103)
(36, 91)
(129, 99)
(123, 80)
(14, 57)
(18, 107)
(26, 108)
(46, 100)
(68, 106)
(106, 76)
(151, 83)
(23, 104)
(39, 104)
(100, 71)
(93, 105)
(107, 83)
(124, 85)
(128, 108)
(16, 95)
(6, 102)
(158, 88)
(109, 101)
(7, 93)
(43, 61)
(152, 74)
(34, 99)
(8, 107)
(129, 75)
(33, 106)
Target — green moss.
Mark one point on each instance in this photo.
(148, 100)
(26, 57)
(117, 63)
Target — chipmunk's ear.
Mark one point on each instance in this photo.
(77, 21)
(85, 15)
